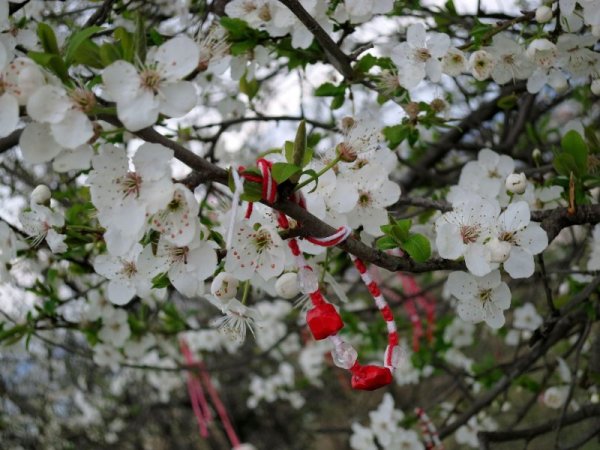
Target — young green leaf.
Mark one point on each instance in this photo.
(418, 247)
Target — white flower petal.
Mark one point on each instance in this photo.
(501, 296)
(48, 104)
(471, 310)
(74, 130)
(448, 241)
(177, 99)
(477, 259)
(9, 114)
(120, 292)
(533, 237)
(415, 35)
(37, 144)
(520, 263)
(462, 285)
(494, 316)
(138, 112)
(516, 216)
(177, 57)
(121, 81)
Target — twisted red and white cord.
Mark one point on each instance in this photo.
(323, 319)
(391, 356)
(429, 430)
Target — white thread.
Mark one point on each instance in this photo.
(239, 188)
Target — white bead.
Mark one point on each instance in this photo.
(308, 280)
(344, 355)
(287, 285)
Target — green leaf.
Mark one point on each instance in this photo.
(337, 102)
(288, 151)
(386, 243)
(400, 230)
(282, 171)
(88, 54)
(242, 47)
(47, 38)
(396, 134)
(573, 144)
(126, 44)
(237, 28)
(77, 40)
(139, 38)
(564, 164)
(249, 87)
(109, 53)
(507, 102)
(330, 90)
(308, 154)
(252, 192)
(418, 247)
(52, 62)
(161, 281)
(314, 176)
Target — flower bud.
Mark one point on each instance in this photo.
(555, 397)
(287, 285)
(499, 250)
(536, 154)
(41, 195)
(543, 14)
(596, 86)
(516, 183)
(224, 286)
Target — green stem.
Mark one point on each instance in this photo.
(319, 173)
(246, 291)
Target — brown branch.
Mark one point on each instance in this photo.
(486, 437)
(335, 55)
(558, 329)
(101, 14)
(8, 142)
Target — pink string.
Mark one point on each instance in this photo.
(198, 399)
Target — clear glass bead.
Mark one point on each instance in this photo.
(344, 355)
(308, 280)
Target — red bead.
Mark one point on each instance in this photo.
(369, 378)
(324, 321)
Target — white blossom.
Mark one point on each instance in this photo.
(480, 298)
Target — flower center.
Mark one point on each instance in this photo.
(83, 99)
(265, 13)
(469, 233)
(131, 184)
(485, 295)
(422, 54)
(129, 269)
(508, 236)
(150, 79)
(248, 7)
(179, 254)
(364, 198)
(262, 240)
(509, 59)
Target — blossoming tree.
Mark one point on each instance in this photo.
(299, 224)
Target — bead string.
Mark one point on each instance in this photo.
(323, 319)
(429, 430)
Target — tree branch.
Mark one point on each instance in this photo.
(334, 54)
